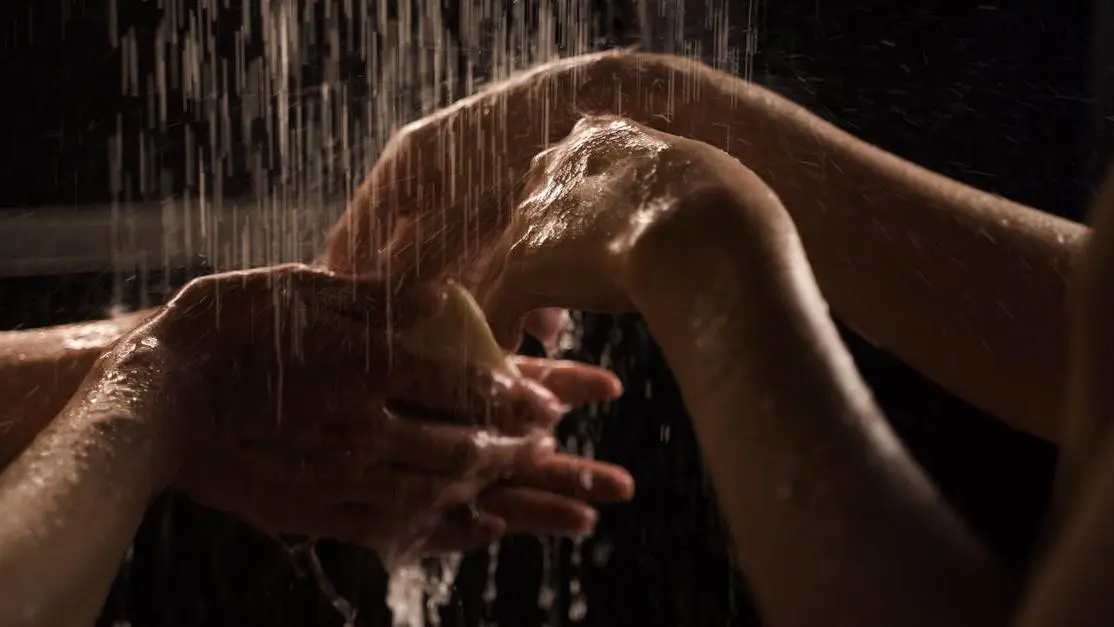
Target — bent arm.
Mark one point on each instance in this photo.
(965, 286)
(1072, 586)
(73, 500)
(831, 519)
(40, 369)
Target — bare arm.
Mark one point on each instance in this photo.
(832, 522)
(967, 287)
(1072, 584)
(73, 500)
(40, 369)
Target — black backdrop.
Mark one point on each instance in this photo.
(996, 94)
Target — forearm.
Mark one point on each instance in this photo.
(829, 516)
(73, 500)
(40, 369)
(964, 286)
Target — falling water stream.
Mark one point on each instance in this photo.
(289, 101)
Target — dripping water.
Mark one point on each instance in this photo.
(302, 138)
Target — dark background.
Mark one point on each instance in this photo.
(1010, 96)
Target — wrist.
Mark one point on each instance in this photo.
(658, 263)
(138, 382)
(710, 220)
(689, 271)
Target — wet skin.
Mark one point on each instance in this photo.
(832, 522)
(252, 393)
(907, 265)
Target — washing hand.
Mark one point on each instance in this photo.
(300, 419)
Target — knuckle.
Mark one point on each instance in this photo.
(196, 292)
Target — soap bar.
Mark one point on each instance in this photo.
(458, 333)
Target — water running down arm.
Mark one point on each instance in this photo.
(965, 286)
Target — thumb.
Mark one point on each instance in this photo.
(506, 312)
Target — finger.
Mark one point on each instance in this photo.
(468, 394)
(506, 312)
(464, 530)
(572, 382)
(527, 407)
(460, 451)
(583, 479)
(526, 510)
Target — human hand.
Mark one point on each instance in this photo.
(441, 193)
(300, 419)
(444, 186)
(586, 202)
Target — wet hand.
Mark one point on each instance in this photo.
(300, 419)
(586, 201)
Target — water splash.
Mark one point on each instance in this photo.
(491, 589)
(416, 591)
(343, 607)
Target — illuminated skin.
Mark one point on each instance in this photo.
(833, 523)
(187, 398)
(907, 264)
(915, 280)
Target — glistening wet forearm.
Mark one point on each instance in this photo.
(73, 500)
(41, 368)
(831, 519)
